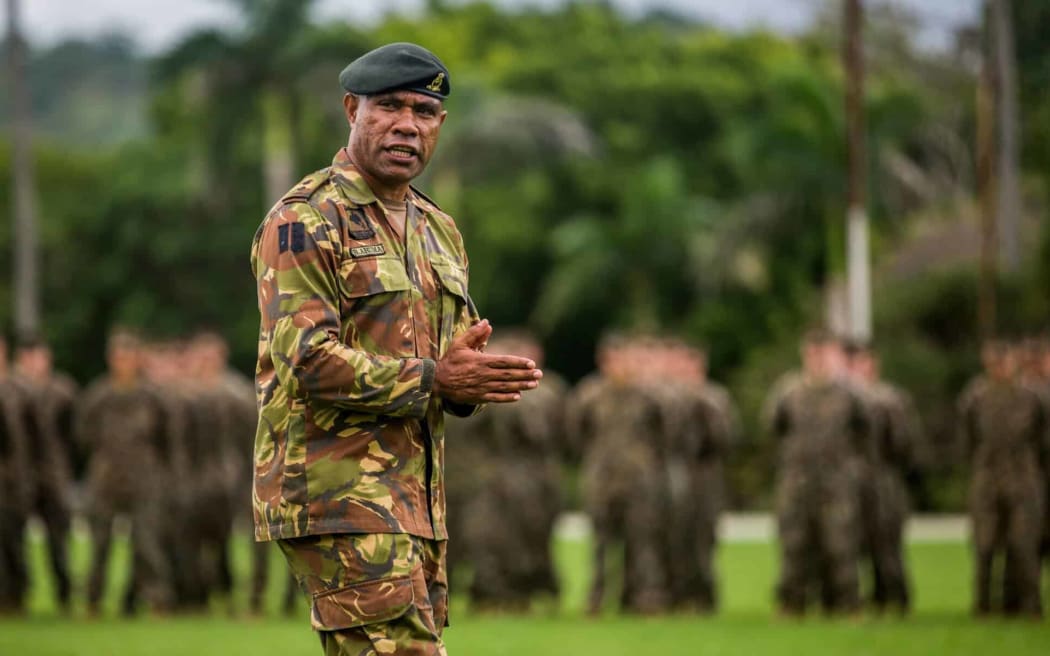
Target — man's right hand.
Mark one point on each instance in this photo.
(466, 375)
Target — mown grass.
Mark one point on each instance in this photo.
(747, 624)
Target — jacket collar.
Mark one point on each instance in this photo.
(353, 184)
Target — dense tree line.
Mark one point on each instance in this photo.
(605, 171)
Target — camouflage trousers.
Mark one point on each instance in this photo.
(13, 573)
(373, 594)
(150, 569)
(1006, 511)
(884, 511)
(818, 525)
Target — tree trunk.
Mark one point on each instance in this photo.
(1006, 106)
(278, 147)
(857, 252)
(24, 227)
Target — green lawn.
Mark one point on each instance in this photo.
(940, 625)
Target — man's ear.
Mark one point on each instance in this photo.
(350, 105)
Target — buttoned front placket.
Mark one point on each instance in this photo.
(425, 325)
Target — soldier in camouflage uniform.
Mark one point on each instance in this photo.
(121, 423)
(51, 399)
(893, 452)
(367, 338)
(1043, 383)
(235, 395)
(1002, 427)
(821, 426)
(707, 430)
(15, 488)
(620, 424)
(509, 519)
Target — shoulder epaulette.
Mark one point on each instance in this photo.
(426, 198)
(307, 187)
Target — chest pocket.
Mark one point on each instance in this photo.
(368, 276)
(454, 300)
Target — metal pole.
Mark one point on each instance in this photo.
(858, 252)
(24, 225)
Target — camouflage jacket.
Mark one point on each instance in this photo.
(1002, 425)
(350, 438)
(817, 422)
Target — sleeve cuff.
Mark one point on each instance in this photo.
(426, 379)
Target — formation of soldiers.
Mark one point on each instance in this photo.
(846, 441)
(649, 433)
(163, 439)
(1004, 423)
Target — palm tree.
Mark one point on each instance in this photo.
(253, 78)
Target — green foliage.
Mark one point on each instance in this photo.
(605, 172)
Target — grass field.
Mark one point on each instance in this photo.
(746, 625)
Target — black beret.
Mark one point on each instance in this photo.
(394, 67)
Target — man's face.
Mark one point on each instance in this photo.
(861, 367)
(393, 135)
(123, 361)
(998, 361)
(35, 362)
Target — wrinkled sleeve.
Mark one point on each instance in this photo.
(298, 292)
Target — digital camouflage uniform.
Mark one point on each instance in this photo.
(125, 431)
(621, 427)
(350, 440)
(510, 517)
(205, 495)
(51, 464)
(892, 452)
(703, 430)
(15, 495)
(244, 417)
(1002, 425)
(469, 463)
(820, 427)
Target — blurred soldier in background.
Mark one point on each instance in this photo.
(516, 497)
(51, 398)
(222, 457)
(718, 426)
(619, 424)
(1002, 429)
(892, 452)
(1043, 384)
(15, 488)
(122, 423)
(821, 425)
(699, 415)
(234, 393)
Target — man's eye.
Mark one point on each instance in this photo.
(429, 112)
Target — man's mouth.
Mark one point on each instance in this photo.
(402, 152)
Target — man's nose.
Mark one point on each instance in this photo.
(406, 122)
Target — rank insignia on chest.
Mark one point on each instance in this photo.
(365, 251)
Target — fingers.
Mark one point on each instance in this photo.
(500, 397)
(508, 362)
(477, 335)
(516, 374)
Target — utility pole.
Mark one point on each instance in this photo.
(1004, 58)
(858, 251)
(987, 186)
(24, 226)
